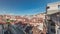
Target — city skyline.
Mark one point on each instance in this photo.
(23, 7)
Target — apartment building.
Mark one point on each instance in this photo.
(35, 20)
(53, 19)
(38, 22)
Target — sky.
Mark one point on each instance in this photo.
(23, 7)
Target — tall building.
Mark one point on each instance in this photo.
(53, 17)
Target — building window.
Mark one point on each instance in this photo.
(52, 24)
(58, 6)
(53, 30)
(48, 7)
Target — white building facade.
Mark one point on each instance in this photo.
(53, 11)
